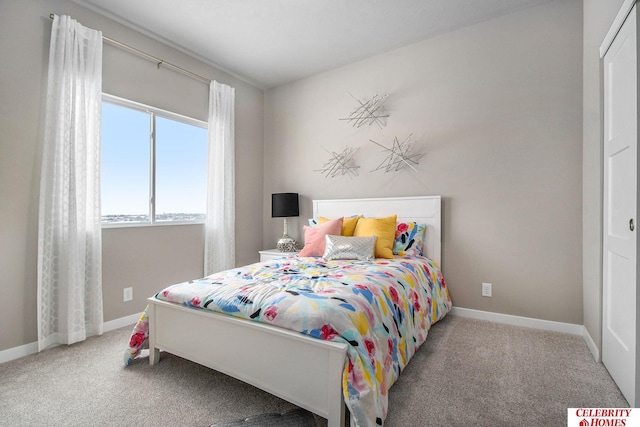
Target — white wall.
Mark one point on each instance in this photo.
(146, 258)
(598, 16)
(497, 110)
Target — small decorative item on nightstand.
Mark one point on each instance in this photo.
(285, 205)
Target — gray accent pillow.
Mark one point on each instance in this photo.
(347, 247)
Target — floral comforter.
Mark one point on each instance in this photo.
(382, 309)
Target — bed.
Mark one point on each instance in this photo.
(312, 373)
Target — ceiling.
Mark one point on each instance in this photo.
(272, 42)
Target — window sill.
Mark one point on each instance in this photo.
(148, 224)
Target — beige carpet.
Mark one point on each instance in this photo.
(469, 372)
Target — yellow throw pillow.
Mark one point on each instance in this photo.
(383, 228)
(348, 224)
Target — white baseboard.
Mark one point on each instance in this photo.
(528, 322)
(595, 351)
(18, 352)
(121, 322)
(32, 348)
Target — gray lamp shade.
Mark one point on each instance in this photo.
(284, 205)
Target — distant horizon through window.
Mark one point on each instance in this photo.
(130, 191)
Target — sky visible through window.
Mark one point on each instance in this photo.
(181, 167)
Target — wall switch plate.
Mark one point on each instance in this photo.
(127, 294)
(486, 289)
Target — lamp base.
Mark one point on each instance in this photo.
(286, 244)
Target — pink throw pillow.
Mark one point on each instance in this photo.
(314, 237)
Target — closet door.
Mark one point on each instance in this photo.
(619, 329)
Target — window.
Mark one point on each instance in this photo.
(153, 165)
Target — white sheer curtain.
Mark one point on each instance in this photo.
(219, 242)
(69, 235)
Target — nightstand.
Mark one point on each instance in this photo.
(270, 254)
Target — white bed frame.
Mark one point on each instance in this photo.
(302, 370)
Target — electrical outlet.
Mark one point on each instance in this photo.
(486, 289)
(127, 294)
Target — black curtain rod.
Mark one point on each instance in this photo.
(159, 62)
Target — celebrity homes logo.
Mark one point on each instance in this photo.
(603, 417)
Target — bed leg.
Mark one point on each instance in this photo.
(154, 352)
(338, 419)
(154, 356)
(336, 406)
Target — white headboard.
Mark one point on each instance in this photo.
(421, 209)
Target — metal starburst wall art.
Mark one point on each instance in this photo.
(399, 155)
(339, 163)
(368, 112)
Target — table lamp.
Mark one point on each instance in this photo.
(284, 205)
